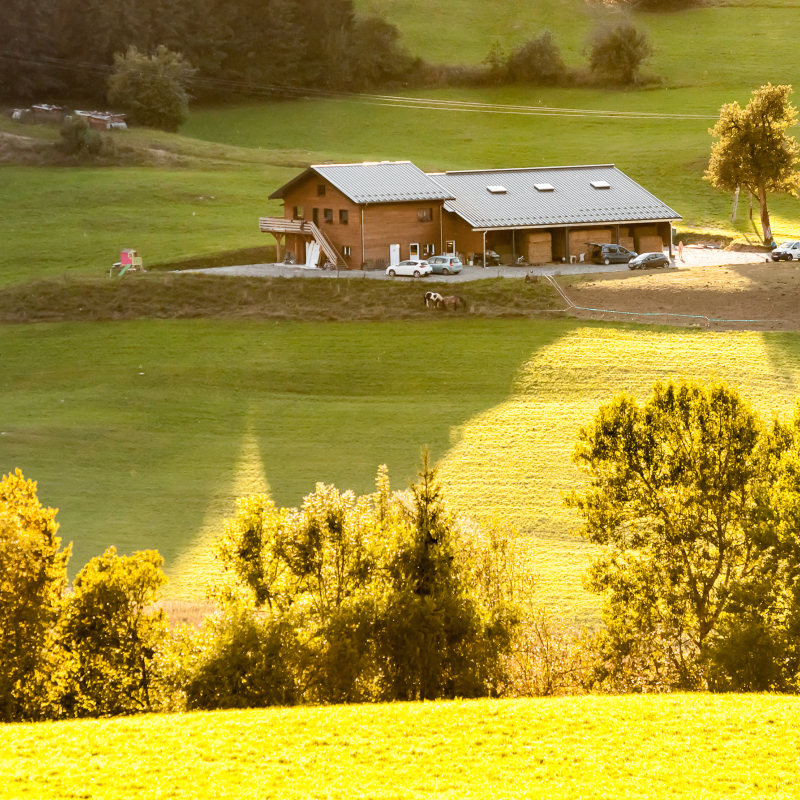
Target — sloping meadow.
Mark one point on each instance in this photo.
(144, 433)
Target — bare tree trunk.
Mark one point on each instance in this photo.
(766, 228)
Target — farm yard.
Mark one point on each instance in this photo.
(674, 746)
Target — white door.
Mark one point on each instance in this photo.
(312, 254)
(413, 251)
(394, 255)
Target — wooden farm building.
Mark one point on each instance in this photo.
(376, 214)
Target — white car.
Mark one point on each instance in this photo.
(788, 251)
(414, 268)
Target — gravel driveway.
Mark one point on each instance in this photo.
(692, 257)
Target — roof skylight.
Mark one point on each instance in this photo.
(544, 187)
(601, 184)
(497, 189)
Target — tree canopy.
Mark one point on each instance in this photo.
(754, 150)
(619, 50)
(33, 577)
(680, 502)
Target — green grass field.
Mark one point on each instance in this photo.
(57, 221)
(589, 748)
(143, 433)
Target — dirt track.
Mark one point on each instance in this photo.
(759, 296)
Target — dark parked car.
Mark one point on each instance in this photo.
(648, 261)
(610, 254)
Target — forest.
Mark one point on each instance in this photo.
(51, 49)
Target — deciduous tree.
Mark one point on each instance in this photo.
(152, 89)
(676, 501)
(619, 51)
(33, 573)
(111, 635)
(754, 150)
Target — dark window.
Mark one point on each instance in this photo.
(343, 216)
(425, 215)
(298, 212)
(320, 190)
(346, 251)
(315, 215)
(328, 215)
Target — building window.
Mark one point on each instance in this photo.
(346, 251)
(320, 190)
(298, 212)
(430, 249)
(328, 216)
(425, 215)
(450, 248)
(343, 216)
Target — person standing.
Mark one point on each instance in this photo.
(680, 250)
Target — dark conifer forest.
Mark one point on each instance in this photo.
(52, 49)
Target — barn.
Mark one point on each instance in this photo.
(375, 214)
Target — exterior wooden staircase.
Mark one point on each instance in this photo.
(278, 226)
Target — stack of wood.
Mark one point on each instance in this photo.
(538, 247)
(578, 240)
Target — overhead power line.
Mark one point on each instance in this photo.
(385, 100)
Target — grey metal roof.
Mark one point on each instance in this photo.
(573, 200)
(381, 182)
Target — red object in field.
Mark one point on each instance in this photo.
(130, 258)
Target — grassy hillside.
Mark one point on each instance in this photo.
(143, 433)
(592, 748)
(731, 44)
(56, 221)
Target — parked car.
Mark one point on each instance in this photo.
(610, 254)
(492, 259)
(648, 261)
(414, 267)
(788, 251)
(445, 265)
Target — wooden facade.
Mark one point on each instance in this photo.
(362, 233)
(380, 214)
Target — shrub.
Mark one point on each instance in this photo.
(378, 590)
(537, 61)
(33, 573)
(111, 636)
(152, 89)
(619, 51)
(239, 659)
(77, 138)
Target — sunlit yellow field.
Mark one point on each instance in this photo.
(695, 747)
(514, 460)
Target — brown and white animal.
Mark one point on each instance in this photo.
(433, 300)
(453, 302)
